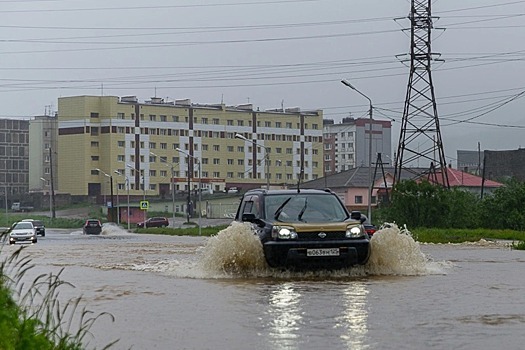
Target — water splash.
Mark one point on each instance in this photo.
(234, 250)
(394, 252)
(111, 229)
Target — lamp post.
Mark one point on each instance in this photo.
(50, 209)
(111, 189)
(199, 186)
(370, 184)
(171, 165)
(127, 183)
(266, 157)
(118, 207)
(6, 207)
(143, 187)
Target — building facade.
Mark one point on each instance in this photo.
(14, 158)
(153, 144)
(42, 153)
(347, 144)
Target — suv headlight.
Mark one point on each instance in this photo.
(355, 231)
(284, 232)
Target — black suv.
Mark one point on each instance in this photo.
(305, 228)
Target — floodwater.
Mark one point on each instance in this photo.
(218, 293)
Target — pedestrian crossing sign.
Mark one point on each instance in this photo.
(144, 205)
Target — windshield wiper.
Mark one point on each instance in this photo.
(300, 216)
(280, 209)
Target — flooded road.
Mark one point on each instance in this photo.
(217, 293)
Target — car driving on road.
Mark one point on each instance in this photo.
(154, 222)
(305, 228)
(22, 231)
(92, 227)
(39, 227)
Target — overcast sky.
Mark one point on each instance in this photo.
(271, 53)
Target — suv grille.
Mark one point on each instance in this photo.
(314, 236)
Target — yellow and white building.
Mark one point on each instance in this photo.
(147, 144)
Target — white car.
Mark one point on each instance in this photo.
(22, 231)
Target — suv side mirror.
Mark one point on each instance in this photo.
(250, 217)
(356, 215)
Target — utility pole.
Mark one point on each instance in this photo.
(53, 212)
(420, 124)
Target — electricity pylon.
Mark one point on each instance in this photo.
(420, 142)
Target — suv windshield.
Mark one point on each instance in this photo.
(304, 207)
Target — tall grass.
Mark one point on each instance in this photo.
(32, 316)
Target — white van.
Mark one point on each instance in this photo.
(233, 190)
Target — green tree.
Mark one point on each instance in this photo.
(504, 208)
(422, 204)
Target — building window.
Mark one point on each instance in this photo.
(163, 145)
(204, 120)
(93, 115)
(152, 117)
(216, 148)
(94, 143)
(229, 122)
(216, 161)
(358, 199)
(175, 118)
(121, 158)
(163, 118)
(230, 162)
(152, 145)
(240, 122)
(215, 121)
(268, 124)
(230, 148)
(94, 158)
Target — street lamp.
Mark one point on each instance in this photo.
(199, 186)
(171, 165)
(50, 209)
(143, 187)
(111, 189)
(127, 183)
(370, 185)
(266, 157)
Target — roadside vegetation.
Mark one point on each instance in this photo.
(434, 214)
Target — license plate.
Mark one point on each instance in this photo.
(323, 252)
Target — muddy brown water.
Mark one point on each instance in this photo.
(217, 293)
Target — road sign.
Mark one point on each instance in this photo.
(144, 205)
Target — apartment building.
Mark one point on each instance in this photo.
(42, 153)
(347, 144)
(150, 145)
(14, 158)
